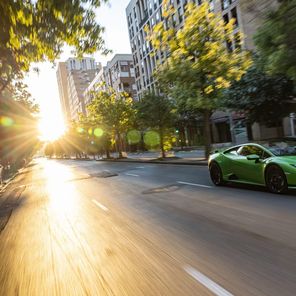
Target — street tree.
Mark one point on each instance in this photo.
(157, 112)
(18, 125)
(37, 30)
(276, 40)
(49, 150)
(198, 61)
(262, 98)
(115, 113)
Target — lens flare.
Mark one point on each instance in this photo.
(6, 121)
(98, 132)
(133, 137)
(80, 130)
(151, 139)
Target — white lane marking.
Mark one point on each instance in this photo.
(100, 205)
(140, 167)
(133, 175)
(205, 281)
(193, 184)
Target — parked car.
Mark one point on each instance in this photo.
(270, 163)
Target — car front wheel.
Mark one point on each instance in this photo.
(216, 174)
(276, 181)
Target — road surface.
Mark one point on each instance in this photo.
(101, 228)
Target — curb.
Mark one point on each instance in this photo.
(202, 163)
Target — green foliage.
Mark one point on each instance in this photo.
(199, 66)
(276, 40)
(261, 97)
(18, 125)
(114, 113)
(35, 30)
(156, 112)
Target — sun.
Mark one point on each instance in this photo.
(50, 129)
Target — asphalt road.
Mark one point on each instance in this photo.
(101, 228)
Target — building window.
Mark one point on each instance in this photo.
(126, 85)
(174, 19)
(237, 41)
(212, 5)
(225, 4)
(150, 7)
(157, 17)
(226, 18)
(229, 46)
(185, 5)
(234, 15)
(152, 22)
(180, 14)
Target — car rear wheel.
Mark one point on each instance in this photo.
(216, 174)
(276, 181)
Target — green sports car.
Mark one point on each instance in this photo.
(269, 163)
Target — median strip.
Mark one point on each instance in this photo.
(193, 184)
(100, 205)
(205, 281)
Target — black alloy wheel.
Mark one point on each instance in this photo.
(276, 181)
(216, 174)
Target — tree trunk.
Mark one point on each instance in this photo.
(161, 143)
(107, 146)
(107, 153)
(207, 133)
(119, 146)
(186, 136)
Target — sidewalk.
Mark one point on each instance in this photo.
(6, 182)
(194, 157)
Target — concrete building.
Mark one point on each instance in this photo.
(98, 84)
(62, 74)
(119, 74)
(249, 14)
(140, 13)
(74, 76)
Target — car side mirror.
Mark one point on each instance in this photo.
(253, 157)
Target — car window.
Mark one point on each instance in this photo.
(250, 149)
(281, 147)
(232, 151)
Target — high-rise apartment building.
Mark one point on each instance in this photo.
(119, 74)
(62, 74)
(140, 13)
(74, 76)
(249, 14)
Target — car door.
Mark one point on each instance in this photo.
(230, 156)
(249, 170)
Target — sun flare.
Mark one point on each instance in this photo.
(50, 129)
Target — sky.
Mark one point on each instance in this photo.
(44, 87)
